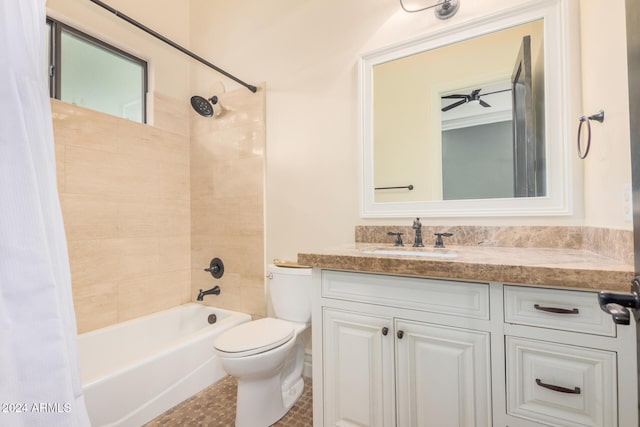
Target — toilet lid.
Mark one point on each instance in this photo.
(255, 337)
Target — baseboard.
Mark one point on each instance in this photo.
(306, 372)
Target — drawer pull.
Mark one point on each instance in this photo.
(556, 310)
(385, 331)
(575, 390)
(400, 334)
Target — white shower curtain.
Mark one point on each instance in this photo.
(39, 376)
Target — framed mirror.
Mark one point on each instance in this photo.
(460, 122)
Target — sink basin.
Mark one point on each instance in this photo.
(424, 253)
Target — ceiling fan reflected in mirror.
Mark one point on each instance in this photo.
(474, 96)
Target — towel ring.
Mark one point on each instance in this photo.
(599, 117)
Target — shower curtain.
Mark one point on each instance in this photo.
(39, 375)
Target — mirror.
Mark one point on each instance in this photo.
(455, 122)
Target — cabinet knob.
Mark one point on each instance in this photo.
(400, 334)
(385, 331)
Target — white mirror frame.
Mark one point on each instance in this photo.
(562, 99)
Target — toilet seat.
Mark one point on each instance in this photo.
(254, 337)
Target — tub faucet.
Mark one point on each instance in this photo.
(213, 291)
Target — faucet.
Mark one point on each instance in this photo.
(417, 242)
(213, 291)
(439, 242)
(398, 235)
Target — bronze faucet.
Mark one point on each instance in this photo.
(439, 236)
(398, 235)
(213, 291)
(417, 225)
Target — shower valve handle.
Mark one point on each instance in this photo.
(216, 268)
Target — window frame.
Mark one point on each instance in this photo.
(55, 68)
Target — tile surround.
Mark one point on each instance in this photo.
(124, 193)
(227, 207)
(146, 207)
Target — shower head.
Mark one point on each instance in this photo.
(204, 106)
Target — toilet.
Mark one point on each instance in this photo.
(266, 356)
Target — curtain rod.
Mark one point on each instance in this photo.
(172, 43)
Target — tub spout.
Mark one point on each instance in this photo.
(213, 291)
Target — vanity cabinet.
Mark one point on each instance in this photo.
(394, 354)
(404, 351)
(562, 360)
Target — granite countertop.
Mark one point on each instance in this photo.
(568, 268)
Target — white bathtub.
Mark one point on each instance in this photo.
(135, 370)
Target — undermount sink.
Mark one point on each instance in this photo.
(425, 253)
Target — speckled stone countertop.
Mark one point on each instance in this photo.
(567, 268)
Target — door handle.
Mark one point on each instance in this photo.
(620, 314)
(618, 303)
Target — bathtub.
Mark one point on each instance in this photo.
(136, 370)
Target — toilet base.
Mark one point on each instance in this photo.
(269, 383)
(291, 396)
(263, 402)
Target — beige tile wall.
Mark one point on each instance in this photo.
(145, 208)
(227, 206)
(124, 190)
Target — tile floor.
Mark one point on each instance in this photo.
(215, 406)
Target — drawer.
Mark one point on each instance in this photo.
(432, 295)
(561, 385)
(567, 310)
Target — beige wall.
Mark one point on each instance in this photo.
(307, 53)
(227, 201)
(124, 191)
(145, 210)
(604, 86)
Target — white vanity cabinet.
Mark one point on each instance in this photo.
(567, 362)
(403, 351)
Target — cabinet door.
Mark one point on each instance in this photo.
(358, 370)
(443, 376)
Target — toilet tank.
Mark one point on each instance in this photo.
(290, 290)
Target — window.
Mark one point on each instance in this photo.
(89, 73)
